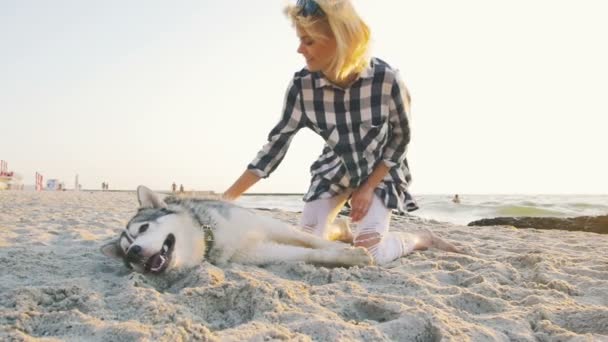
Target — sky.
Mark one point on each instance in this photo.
(508, 97)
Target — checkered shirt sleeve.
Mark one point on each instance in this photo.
(399, 120)
(281, 135)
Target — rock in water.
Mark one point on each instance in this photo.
(594, 224)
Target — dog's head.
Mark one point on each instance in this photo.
(157, 238)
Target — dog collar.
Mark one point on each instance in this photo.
(208, 231)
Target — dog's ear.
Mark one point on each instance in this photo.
(148, 199)
(112, 250)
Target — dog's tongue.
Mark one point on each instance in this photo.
(157, 261)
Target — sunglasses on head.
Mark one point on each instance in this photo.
(309, 8)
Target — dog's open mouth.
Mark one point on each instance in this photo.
(159, 262)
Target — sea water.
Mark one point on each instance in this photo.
(470, 208)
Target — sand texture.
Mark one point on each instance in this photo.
(516, 285)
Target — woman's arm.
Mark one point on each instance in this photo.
(279, 138)
(394, 152)
(275, 148)
(399, 121)
(244, 182)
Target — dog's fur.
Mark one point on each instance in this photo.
(182, 232)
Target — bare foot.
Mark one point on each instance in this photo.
(435, 241)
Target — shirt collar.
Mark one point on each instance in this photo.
(321, 81)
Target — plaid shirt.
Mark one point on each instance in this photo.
(364, 124)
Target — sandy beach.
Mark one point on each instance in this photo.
(515, 285)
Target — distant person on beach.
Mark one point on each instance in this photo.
(181, 188)
(173, 187)
(360, 106)
(456, 199)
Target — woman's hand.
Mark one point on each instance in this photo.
(228, 197)
(360, 202)
(245, 181)
(362, 197)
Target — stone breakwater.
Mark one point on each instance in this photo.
(593, 224)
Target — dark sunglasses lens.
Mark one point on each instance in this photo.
(301, 4)
(309, 7)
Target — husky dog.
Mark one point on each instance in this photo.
(182, 232)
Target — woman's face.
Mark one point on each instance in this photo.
(318, 52)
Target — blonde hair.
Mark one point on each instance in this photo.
(350, 31)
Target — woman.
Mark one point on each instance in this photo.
(360, 106)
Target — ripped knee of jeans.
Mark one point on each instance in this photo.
(367, 240)
(308, 229)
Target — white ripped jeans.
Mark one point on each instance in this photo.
(318, 215)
